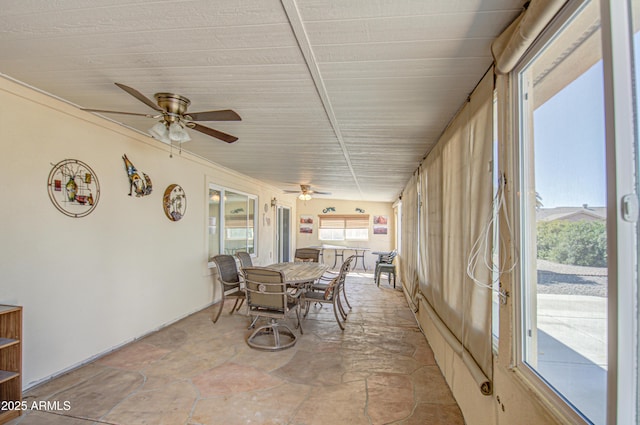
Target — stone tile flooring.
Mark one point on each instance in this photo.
(380, 370)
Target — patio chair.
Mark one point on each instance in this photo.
(390, 270)
(385, 265)
(386, 257)
(245, 259)
(322, 283)
(230, 281)
(269, 297)
(307, 254)
(330, 294)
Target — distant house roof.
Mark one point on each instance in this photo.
(585, 213)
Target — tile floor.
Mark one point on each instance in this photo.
(380, 370)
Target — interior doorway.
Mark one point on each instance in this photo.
(283, 234)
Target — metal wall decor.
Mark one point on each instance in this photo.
(73, 188)
(174, 202)
(329, 209)
(138, 181)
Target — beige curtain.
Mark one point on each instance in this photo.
(429, 235)
(456, 184)
(514, 41)
(408, 253)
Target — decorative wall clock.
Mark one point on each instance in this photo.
(174, 202)
(73, 188)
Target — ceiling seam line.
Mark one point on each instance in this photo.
(295, 21)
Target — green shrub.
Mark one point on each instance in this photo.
(581, 243)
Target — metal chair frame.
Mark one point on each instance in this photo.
(322, 284)
(318, 293)
(229, 278)
(269, 297)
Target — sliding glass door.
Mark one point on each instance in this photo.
(622, 58)
(564, 215)
(578, 211)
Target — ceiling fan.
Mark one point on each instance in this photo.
(306, 192)
(172, 111)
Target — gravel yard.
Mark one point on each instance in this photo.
(554, 278)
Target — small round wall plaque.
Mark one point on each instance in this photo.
(174, 202)
(73, 188)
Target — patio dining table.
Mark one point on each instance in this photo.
(297, 273)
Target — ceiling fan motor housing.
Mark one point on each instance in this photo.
(174, 105)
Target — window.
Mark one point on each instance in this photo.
(233, 213)
(344, 227)
(562, 232)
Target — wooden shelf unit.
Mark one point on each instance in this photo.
(10, 359)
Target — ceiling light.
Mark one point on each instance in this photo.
(177, 133)
(174, 132)
(159, 131)
(304, 197)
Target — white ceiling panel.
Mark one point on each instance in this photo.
(346, 95)
(316, 10)
(407, 28)
(409, 68)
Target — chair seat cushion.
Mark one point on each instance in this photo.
(319, 286)
(316, 296)
(257, 309)
(236, 292)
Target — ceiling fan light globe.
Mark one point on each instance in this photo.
(159, 131)
(304, 197)
(178, 134)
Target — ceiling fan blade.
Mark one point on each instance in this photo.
(291, 191)
(142, 98)
(320, 193)
(223, 115)
(213, 133)
(120, 112)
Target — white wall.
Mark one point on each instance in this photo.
(91, 284)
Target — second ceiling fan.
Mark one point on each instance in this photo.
(306, 192)
(172, 112)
